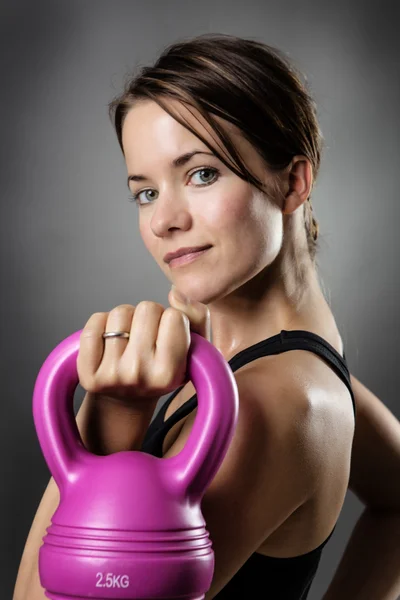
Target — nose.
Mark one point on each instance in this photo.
(171, 211)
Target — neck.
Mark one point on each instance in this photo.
(284, 295)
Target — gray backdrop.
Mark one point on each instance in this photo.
(70, 242)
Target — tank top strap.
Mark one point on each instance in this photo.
(281, 342)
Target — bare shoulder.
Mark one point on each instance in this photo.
(274, 404)
(267, 474)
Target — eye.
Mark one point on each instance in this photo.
(211, 170)
(208, 170)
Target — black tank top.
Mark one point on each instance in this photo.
(260, 576)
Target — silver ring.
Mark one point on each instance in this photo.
(121, 334)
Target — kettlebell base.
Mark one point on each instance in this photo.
(124, 576)
(58, 597)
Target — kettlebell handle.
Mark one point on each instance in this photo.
(192, 469)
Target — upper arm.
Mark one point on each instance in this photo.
(28, 582)
(265, 476)
(375, 460)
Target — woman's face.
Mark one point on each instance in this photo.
(201, 202)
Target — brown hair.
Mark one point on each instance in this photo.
(246, 82)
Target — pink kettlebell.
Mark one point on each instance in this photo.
(129, 525)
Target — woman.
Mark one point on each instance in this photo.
(222, 148)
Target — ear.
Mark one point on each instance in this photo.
(300, 178)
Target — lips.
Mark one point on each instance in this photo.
(184, 251)
(187, 258)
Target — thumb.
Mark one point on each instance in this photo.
(197, 312)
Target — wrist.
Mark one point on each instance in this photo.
(133, 404)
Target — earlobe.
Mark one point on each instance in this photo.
(300, 183)
(291, 203)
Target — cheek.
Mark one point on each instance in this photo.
(269, 224)
(235, 210)
(256, 223)
(230, 210)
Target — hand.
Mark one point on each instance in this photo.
(153, 361)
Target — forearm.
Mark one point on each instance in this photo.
(370, 566)
(107, 426)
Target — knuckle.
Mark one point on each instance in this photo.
(174, 313)
(112, 376)
(171, 310)
(107, 382)
(88, 332)
(92, 324)
(149, 305)
(122, 308)
(166, 369)
(98, 315)
(88, 383)
(129, 378)
(163, 378)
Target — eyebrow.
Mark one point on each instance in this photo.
(176, 163)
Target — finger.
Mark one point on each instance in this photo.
(119, 319)
(197, 312)
(141, 346)
(91, 348)
(172, 348)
